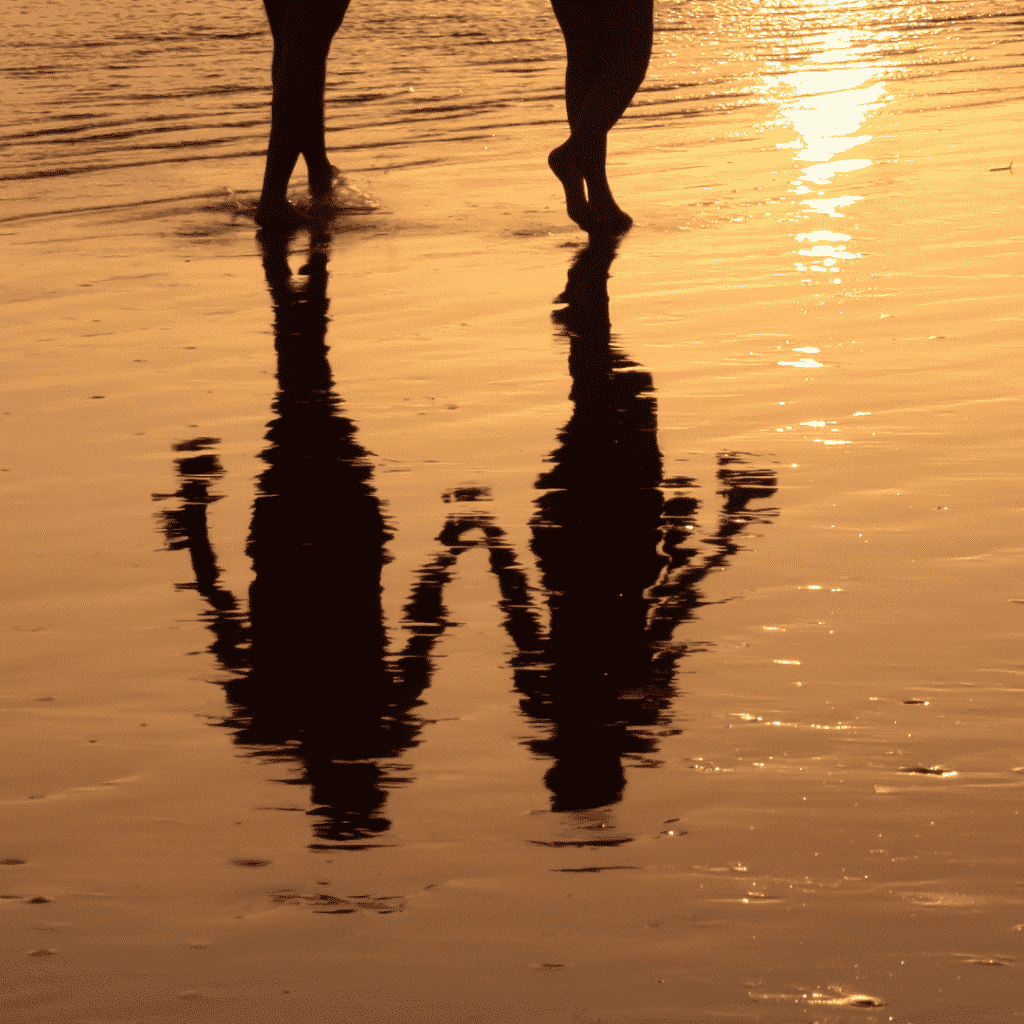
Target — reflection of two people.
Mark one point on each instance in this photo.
(313, 682)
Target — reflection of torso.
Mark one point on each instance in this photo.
(597, 529)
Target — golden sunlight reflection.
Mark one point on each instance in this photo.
(804, 364)
(826, 102)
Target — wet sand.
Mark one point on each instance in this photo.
(674, 616)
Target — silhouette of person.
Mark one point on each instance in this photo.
(608, 48)
(618, 569)
(302, 31)
(311, 679)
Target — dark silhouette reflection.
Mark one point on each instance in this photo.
(311, 681)
(615, 560)
(312, 684)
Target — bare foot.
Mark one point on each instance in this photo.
(608, 220)
(571, 178)
(281, 216)
(598, 215)
(321, 186)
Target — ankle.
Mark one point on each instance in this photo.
(321, 180)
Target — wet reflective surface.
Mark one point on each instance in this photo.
(388, 641)
(158, 96)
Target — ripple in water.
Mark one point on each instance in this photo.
(99, 89)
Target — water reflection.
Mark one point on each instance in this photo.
(313, 684)
(613, 541)
(826, 103)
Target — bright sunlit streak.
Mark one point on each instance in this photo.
(826, 102)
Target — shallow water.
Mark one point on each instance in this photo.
(386, 641)
(174, 87)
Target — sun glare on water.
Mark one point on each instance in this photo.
(824, 101)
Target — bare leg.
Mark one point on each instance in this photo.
(608, 48)
(302, 30)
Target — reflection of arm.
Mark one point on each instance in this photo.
(186, 528)
(677, 586)
(425, 614)
(674, 595)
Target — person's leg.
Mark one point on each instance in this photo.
(302, 30)
(608, 48)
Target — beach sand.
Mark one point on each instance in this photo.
(843, 341)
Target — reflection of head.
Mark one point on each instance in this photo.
(609, 547)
